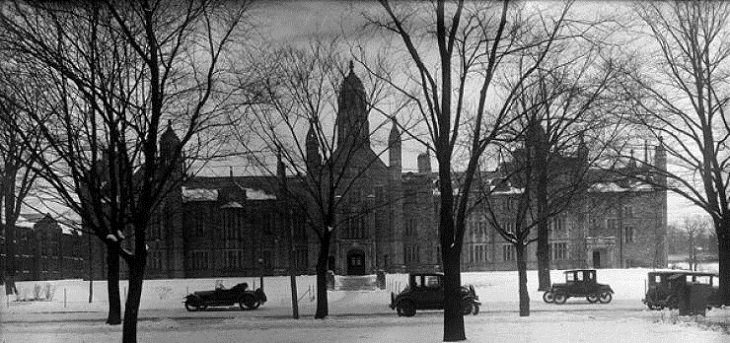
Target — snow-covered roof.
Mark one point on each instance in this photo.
(199, 194)
(609, 187)
(258, 194)
(510, 190)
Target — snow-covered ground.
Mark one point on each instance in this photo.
(355, 316)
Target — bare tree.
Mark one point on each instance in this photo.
(112, 74)
(452, 48)
(314, 113)
(695, 227)
(16, 182)
(680, 98)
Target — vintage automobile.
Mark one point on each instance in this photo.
(579, 283)
(425, 291)
(662, 287)
(246, 298)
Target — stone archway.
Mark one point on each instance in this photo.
(355, 262)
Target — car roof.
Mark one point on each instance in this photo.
(427, 274)
(683, 272)
(579, 270)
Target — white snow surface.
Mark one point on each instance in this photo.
(355, 316)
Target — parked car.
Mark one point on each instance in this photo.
(662, 287)
(425, 291)
(579, 283)
(246, 298)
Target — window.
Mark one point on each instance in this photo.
(232, 258)
(612, 224)
(508, 252)
(410, 226)
(482, 225)
(199, 260)
(557, 226)
(628, 212)
(628, 234)
(559, 251)
(411, 254)
(301, 258)
(508, 226)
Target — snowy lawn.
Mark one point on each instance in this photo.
(355, 316)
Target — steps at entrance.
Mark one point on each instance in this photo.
(355, 283)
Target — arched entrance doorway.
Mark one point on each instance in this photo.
(356, 262)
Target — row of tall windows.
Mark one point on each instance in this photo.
(559, 251)
(355, 226)
(411, 254)
(508, 252)
(199, 260)
(478, 253)
(232, 258)
(154, 260)
(477, 225)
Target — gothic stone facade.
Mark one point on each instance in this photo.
(387, 219)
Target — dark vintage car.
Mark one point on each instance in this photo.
(662, 287)
(240, 294)
(579, 283)
(425, 291)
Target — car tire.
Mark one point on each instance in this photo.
(592, 298)
(605, 297)
(248, 302)
(548, 297)
(560, 298)
(406, 308)
(476, 309)
(191, 306)
(466, 307)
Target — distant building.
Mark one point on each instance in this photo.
(44, 250)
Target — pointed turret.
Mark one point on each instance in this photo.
(660, 162)
(314, 160)
(169, 142)
(394, 149)
(170, 145)
(632, 160)
(352, 117)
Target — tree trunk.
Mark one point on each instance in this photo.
(90, 261)
(522, 272)
(134, 295)
(543, 246)
(453, 318)
(324, 248)
(11, 265)
(112, 277)
(723, 240)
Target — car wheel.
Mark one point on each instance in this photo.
(548, 297)
(560, 298)
(248, 302)
(191, 306)
(466, 307)
(406, 308)
(592, 298)
(605, 297)
(476, 309)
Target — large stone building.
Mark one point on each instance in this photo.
(44, 250)
(386, 219)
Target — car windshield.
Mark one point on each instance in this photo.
(433, 281)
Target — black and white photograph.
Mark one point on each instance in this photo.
(309, 171)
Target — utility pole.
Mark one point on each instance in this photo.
(292, 269)
(281, 173)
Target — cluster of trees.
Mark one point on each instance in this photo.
(90, 85)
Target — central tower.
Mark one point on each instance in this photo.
(352, 118)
